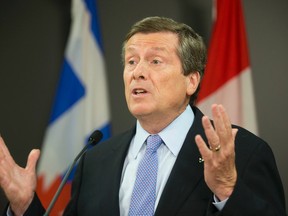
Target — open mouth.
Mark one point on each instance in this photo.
(139, 91)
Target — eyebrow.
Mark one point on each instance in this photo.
(131, 49)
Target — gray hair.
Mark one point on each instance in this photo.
(191, 49)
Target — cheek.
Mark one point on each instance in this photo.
(173, 82)
(176, 87)
(126, 79)
(126, 84)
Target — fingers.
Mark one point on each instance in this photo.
(213, 138)
(6, 156)
(204, 151)
(219, 136)
(221, 121)
(32, 160)
(225, 117)
(4, 152)
(6, 161)
(234, 133)
(223, 127)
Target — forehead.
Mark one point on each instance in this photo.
(160, 41)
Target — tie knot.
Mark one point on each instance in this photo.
(153, 142)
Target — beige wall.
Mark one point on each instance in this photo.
(32, 39)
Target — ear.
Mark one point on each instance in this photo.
(193, 80)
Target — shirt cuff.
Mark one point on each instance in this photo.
(219, 204)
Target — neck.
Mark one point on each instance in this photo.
(156, 123)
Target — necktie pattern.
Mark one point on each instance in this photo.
(144, 192)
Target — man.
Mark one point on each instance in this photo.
(202, 167)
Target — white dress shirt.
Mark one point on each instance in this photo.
(173, 137)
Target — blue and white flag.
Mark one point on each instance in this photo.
(81, 103)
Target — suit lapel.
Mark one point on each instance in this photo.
(113, 162)
(186, 173)
(184, 178)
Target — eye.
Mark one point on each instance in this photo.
(131, 62)
(155, 61)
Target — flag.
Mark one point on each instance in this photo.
(80, 106)
(228, 78)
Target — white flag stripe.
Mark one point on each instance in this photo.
(57, 143)
(248, 102)
(237, 97)
(66, 136)
(85, 57)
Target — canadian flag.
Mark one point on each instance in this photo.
(227, 78)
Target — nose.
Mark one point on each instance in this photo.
(140, 71)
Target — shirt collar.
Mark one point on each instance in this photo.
(173, 135)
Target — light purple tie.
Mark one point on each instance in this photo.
(144, 192)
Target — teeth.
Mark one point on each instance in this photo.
(139, 91)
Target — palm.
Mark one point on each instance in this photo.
(18, 183)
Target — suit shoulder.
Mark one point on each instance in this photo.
(246, 136)
(112, 143)
(248, 145)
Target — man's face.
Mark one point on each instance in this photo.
(155, 85)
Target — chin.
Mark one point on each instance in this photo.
(139, 111)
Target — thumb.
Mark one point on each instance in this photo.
(234, 133)
(32, 159)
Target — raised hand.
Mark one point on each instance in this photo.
(19, 184)
(219, 155)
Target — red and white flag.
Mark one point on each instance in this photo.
(227, 78)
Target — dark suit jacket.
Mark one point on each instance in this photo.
(258, 190)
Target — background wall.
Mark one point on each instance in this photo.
(32, 40)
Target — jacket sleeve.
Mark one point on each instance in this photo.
(36, 208)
